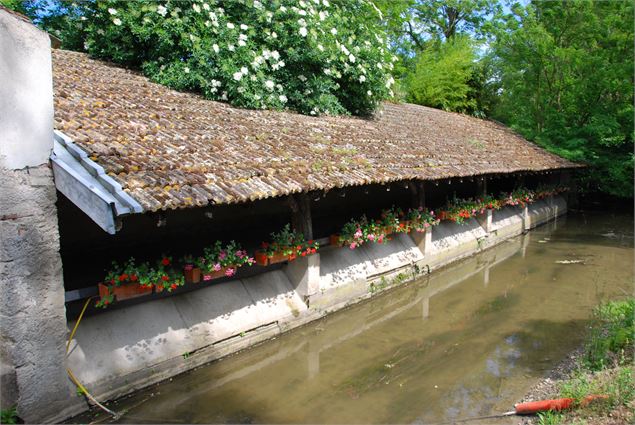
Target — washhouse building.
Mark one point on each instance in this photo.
(100, 165)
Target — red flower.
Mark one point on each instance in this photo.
(311, 242)
(165, 261)
(133, 278)
(173, 286)
(303, 254)
(106, 302)
(112, 281)
(123, 277)
(313, 250)
(165, 278)
(299, 247)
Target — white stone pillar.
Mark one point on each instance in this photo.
(423, 240)
(304, 274)
(526, 218)
(33, 317)
(485, 220)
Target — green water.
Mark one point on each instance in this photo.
(468, 340)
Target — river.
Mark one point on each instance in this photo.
(467, 340)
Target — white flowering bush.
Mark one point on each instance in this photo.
(312, 56)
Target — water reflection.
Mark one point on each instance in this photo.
(465, 341)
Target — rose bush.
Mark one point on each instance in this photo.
(312, 56)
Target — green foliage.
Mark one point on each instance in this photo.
(612, 336)
(312, 56)
(442, 75)
(566, 81)
(9, 416)
(550, 418)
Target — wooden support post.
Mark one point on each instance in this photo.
(417, 190)
(300, 205)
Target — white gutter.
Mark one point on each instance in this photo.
(86, 184)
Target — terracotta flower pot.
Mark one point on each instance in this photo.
(278, 257)
(192, 275)
(125, 291)
(261, 258)
(214, 274)
(335, 240)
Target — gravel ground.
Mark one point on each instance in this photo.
(548, 389)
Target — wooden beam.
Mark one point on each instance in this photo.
(300, 205)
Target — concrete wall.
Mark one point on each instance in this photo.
(122, 350)
(32, 321)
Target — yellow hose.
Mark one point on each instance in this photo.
(70, 372)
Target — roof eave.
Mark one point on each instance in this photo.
(86, 184)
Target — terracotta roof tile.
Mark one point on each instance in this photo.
(175, 150)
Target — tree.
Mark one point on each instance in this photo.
(442, 76)
(311, 56)
(566, 78)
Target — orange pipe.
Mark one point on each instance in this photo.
(532, 407)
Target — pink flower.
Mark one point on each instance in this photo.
(371, 237)
(353, 245)
(230, 272)
(250, 260)
(207, 277)
(431, 212)
(222, 255)
(241, 254)
(358, 234)
(426, 224)
(217, 267)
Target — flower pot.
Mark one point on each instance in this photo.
(192, 275)
(214, 274)
(335, 240)
(278, 257)
(261, 258)
(127, 291)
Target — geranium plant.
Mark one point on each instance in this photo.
(289, 243)
(227, 259)
(420, 219)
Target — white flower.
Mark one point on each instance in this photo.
(320, 47)
(302, 12)
(379, 65)
(224, 96)
(283, 98)
(238, 75)
(205, 6)
(351, 58)
(303, 31)
(242, 43)
(323, 15)
(231, 47)
(215, 83)
(302, 78)
(242, 37)
(275, 55)
(257, 5)
(100, 31)
(370, 93)
(302, 22)
(196, 8)
(116, 21)
(241, 90)
(325, 3)
(112, 11)
(327, 71)
(193, 38)
(333, 31)
(283, 9)
(186, 70)
(362, 78)
(274, 35)
(244, 70)
(269, 84)
(230, 25)
(244, 27)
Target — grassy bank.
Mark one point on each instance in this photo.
(605, 368)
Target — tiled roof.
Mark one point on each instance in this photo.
(174, 150)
